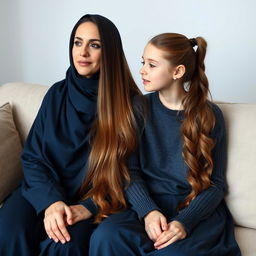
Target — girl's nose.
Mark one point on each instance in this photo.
(142, 71)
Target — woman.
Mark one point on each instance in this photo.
(74, 160)
(178, 175)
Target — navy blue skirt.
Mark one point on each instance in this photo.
(22, 232)
(124, 234)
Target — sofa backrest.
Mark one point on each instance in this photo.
(240, 122)
(25, 100)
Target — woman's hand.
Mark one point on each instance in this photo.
(155, 224)
(56, 217)
(79, 212)
(174, 232)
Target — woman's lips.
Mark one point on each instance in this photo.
(84, 63)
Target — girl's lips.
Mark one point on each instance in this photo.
(145, 81)
(84, 63)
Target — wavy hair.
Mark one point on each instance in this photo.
(199, 118)
(113, 135)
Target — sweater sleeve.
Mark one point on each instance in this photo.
(208, 200)
(137, 193)
(39, 187)
(90, 205)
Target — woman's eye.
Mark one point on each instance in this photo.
(143, 63)
(77, 43)
(93, 45)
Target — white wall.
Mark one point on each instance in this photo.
(35, 35)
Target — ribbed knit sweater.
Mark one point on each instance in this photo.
(158, 170)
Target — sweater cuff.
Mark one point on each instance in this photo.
(187, 221)
(144, 207)
(90, 205)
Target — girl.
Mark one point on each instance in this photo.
(178, 174)
(74, 157)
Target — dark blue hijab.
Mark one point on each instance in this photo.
(57, 148)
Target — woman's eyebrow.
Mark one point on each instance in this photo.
(91, 40)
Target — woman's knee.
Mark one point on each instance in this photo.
(80, 234)
(17, 217)
(68, 249)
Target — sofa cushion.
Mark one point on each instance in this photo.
(10, 150)
(241, 134)
(25, 99)
(246, 238)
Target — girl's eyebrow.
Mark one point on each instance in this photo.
(150, 59)
(91, 40)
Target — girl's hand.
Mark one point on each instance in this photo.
(155, 224)
(174, 232)
(56, 217)
(79, 212)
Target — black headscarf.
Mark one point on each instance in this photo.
(57, 148)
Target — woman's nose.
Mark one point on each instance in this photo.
(84, 51)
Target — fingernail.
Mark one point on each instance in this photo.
(56, 240)
(63, 241)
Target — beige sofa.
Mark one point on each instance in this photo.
(25, 100)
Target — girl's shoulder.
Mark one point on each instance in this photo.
(219, 128)
(141, 99)
(217, 111)
(139, 106)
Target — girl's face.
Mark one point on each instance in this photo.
(157, 73)
(86, 51)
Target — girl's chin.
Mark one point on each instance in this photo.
(148, 89)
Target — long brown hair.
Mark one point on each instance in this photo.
(113, 135)
(199, 118)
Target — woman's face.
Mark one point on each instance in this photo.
(86, 51)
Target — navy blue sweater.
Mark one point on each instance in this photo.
(158, 169)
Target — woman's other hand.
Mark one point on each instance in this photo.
(155, 224)
(57, 216)
(79, 212)
(174, 232)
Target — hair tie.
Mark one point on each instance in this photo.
(193, 42)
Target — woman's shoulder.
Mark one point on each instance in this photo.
(55, 90)
(52, 96)
(57, 87)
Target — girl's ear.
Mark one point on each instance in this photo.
(179, 72)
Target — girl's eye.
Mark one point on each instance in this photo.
(151, 65)
(143, 62)
(77, 43)
(94, 45)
